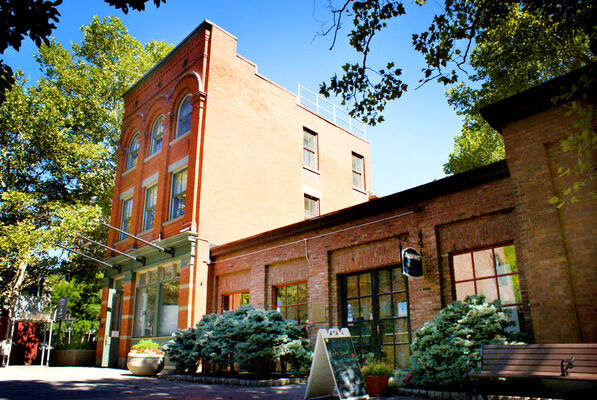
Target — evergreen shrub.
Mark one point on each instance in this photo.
(253, 339)
(446, 349)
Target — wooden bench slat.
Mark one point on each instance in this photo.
(540, 375)
(555, 363)
(535, 369)
(538, 351)
(547, 357)
(544, 346)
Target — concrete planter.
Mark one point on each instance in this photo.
(145, 364)
(72, 358)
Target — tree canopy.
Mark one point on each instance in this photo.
(37, 19)
(57, 141)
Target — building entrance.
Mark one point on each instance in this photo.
(375, 310)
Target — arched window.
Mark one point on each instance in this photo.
(131, 161)
(156, 135)
(183, 125)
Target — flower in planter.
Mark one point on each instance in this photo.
(376, 368)
(147, 346)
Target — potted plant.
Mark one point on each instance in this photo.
(376, 374)
(145, 358)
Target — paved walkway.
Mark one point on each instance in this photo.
(56, 383)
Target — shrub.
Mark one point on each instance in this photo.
(146, 346)
(446, 349)
(252, 339)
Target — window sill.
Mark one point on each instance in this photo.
(121, 241)
(359, 190)
(128, 171)
(315, 171)
(173, 220)
(152, 156)
(178, 139)
(145, 232)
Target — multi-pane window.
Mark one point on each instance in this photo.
(232, 301)
(309, 149)
(179, 191)
(156, 301)
(133, 155)
(311, 206)
(151, 195)
(291, 301)
(493, 273)
(185, 113)
(358, 179)
(125, 217)
(156, 135)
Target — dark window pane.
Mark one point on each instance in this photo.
(352, 286)
(398, 281)
(385, 306)
(280, 296)
(385, 281)
(365, 284)
(302, 317)
(291, 312)
(291, 294)
(302, 292)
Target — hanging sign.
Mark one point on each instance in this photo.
(61, 309)
(412, 263)
(335, 369)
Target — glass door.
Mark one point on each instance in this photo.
(375, 310)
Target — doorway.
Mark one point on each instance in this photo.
(376, 311)
(112, 332)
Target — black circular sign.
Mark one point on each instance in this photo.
(412, 263)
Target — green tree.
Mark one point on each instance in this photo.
(35, 19)
(57, 141)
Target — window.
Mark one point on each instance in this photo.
(493, 273)
(125, 217)
(179, 192)
(156, 301)
(358, 179)
(311, 206)
(151, 194)
(156, 135)
(231, 302)
(291, 301)
(185, 111)
(131, 161)
(310, 149)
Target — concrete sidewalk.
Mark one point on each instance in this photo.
(54, 383)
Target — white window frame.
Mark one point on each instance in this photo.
(317, 205)
(153, 207)
(128, 218)
(132, 158)
(313, 152)
(178, 116)
(172, 194)
(156, 145)
(356, 173)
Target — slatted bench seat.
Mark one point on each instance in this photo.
(575, 363)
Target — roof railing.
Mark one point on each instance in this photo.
(328, 110)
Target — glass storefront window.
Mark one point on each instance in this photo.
(231, 302)
(156, 302)
(292, 301)
(491, 272)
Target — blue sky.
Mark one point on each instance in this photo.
(280, 36)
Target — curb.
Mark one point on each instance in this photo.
(234, 381)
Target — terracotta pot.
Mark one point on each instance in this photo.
(377, 385)
(144, 364)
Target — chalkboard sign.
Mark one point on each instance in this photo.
(335, 367)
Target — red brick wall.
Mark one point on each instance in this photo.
(558, 246)
(479, 215)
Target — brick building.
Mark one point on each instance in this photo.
(210, 152)
(489, 231)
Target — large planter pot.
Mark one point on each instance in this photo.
(145, 364)
(377, 386)
(72, 358)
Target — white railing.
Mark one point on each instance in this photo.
(328, 110)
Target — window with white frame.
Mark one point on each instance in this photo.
(156, 301)
(179, 192)
(310, 149)
(125, 217)
(133, 154)
(311, 206)
(157, 134)
(185, 113)
(491, 272)
(358, 178)
(151, 195)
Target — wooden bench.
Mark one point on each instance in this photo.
(562, 369)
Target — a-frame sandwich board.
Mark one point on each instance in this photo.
(335, 368)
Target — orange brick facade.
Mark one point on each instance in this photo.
(243, 158)
(245, 176)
